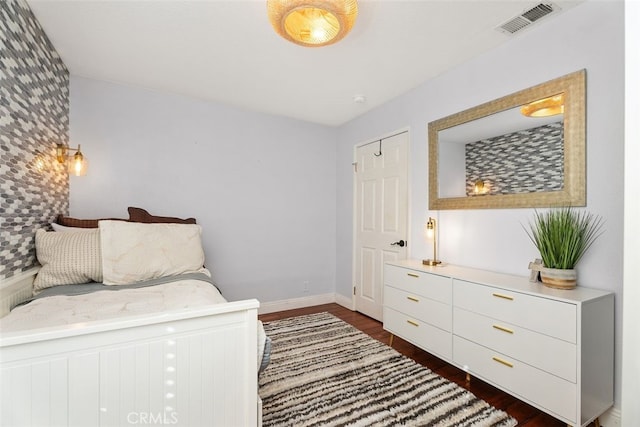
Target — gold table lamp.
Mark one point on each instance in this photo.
(431, 233)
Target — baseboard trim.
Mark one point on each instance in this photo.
(344, 301)
(611, 418)
(293, 303)
(290, 304)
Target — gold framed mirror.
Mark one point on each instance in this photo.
(523, 150)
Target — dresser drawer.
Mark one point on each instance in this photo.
(550, 354)
(419, 307)
(549, 317)
(542, 389)
(419, 283)
(428, 337)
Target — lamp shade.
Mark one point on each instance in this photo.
(77, 164)
(430, 228)
(312, 23)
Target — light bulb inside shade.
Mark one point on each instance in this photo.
(430, 228)
(78, 164)
(319, 34)
(312, 23)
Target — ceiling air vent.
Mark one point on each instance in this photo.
(527, 18)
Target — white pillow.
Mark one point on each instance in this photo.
(132, 252)
(67, 258)
(58, 227)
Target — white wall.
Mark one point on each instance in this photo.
(262, 187)
(589, 36)
(631, 315)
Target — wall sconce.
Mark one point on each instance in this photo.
(480, 187)
(431, 234)
(77, 163)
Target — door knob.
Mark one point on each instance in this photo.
(400, 243)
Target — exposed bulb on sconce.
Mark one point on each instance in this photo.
(76, 164)
(479, 187)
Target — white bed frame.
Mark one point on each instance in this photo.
(193, 367)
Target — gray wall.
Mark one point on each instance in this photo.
(262, 187)
(34, 117)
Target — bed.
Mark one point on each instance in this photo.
(127, 349)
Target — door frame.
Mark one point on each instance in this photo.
(354, 192)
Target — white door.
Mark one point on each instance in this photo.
(381, 216)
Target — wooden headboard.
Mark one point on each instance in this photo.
(16, 289)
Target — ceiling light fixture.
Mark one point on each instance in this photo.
(544, 107)
(312, 23)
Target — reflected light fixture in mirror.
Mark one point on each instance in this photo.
(76, 164)
(431, 234)
(545, 107)
(480, 188)
(312, 23)
(512, 180)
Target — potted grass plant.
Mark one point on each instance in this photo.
(562, 236)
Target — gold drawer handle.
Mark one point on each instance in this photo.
(503, 296)
(414, 299)
(413, 275)
(411, 322)
(503, 329)
(504, 362)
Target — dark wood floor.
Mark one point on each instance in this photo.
(526, 414)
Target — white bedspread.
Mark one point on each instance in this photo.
(101, 305)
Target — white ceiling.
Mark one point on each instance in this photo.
(226, 51)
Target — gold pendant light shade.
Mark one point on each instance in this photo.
(544, 107)
(312, 23)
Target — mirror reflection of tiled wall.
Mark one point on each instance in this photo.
(526, 161)
(34, 117)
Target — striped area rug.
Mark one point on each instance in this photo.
(325, 372)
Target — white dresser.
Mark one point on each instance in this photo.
(548, 347)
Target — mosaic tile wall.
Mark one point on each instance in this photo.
(526, 161)
(34, 117)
